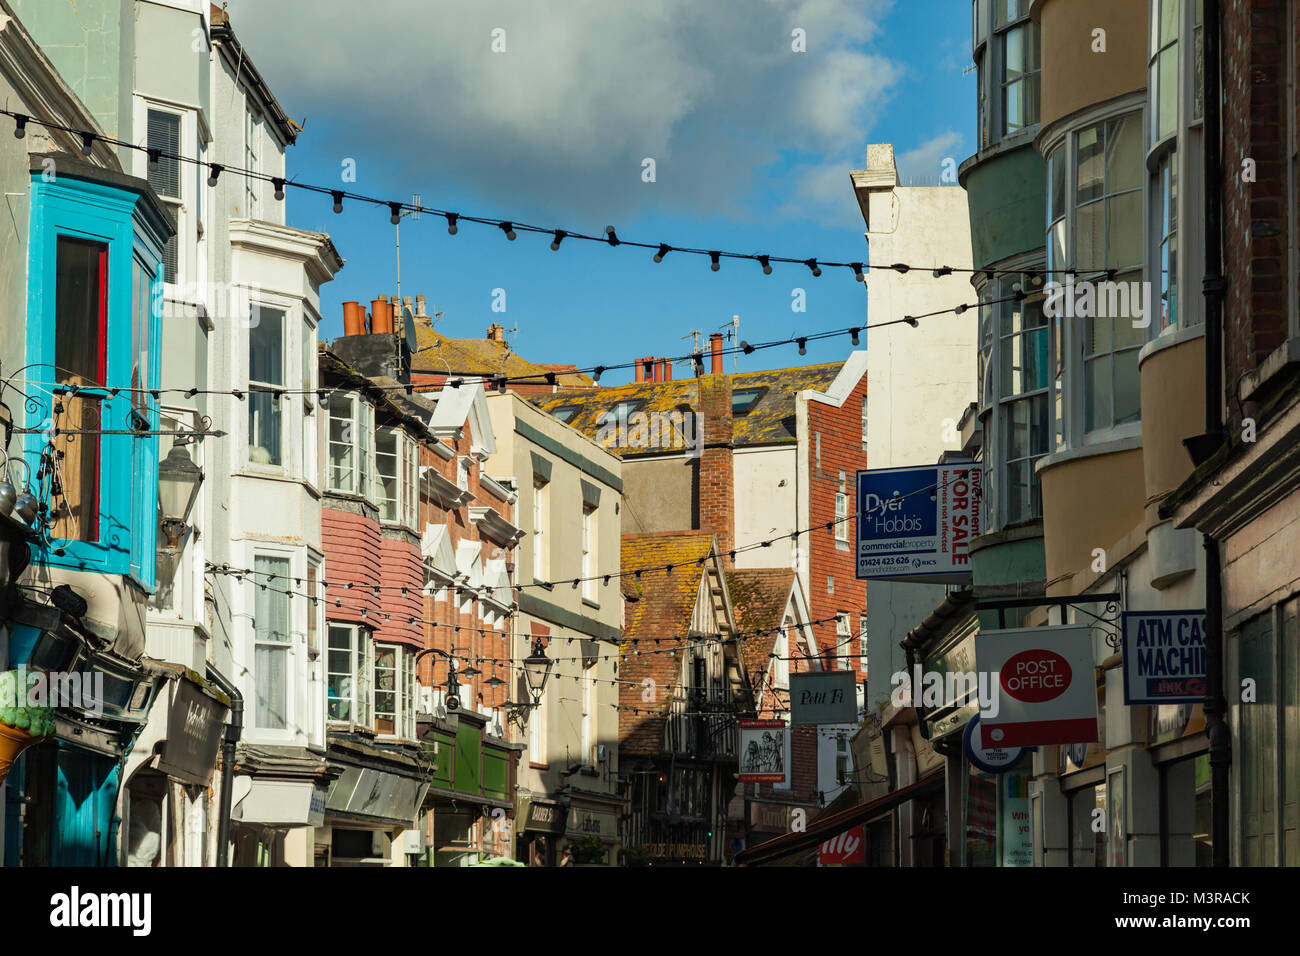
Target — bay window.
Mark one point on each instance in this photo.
(397, 490)
(351, 424)
(1094, 215)
(1017, 43)
(272, 642)
(395, 691)
(349, 664)
(266, 380)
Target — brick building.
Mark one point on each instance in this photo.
(1244, 495)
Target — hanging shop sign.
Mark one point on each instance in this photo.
(988, 759)
(763, 746)
(915, 524)
(844, 849)
(1047, 688)
(195, 725)
(1164, 657)
(823, 697)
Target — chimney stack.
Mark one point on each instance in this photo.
(717, 482)
(420, 305)
(496, 332)
(715, 346)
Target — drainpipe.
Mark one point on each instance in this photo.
(234, 730)
(1216, 706)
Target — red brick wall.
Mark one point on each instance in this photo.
(457, 631)
(841, 450)
(352, 556)
(717, 481)
(1255, 217)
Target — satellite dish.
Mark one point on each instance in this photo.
(408, 329)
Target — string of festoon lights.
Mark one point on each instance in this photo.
(454, 379)
(607, 578)
(509, 227)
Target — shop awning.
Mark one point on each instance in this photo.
(828, 826)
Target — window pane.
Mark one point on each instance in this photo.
(272, 688)
(1167, 93)
(1123, 231)
(1091, 173)
(80, 328)
(1090, 243)
(1169, 17)
(266, 346)
(386, 467)
(77, 514)
(1128, 395)
(1124, 167)
(271, 623)
(1056, 177)
(342, 435)
(264, 428)
(1096, 393)
(271, 605)
(165, 134)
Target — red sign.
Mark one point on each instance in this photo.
(848, 847)
(1036, 675)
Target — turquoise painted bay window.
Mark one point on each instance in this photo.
(94, 315)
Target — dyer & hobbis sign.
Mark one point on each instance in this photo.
(915, 524)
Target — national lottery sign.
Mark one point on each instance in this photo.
(915, 524)
(1164, 657)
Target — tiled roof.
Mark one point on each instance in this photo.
(770, 421)
(483, 357)
(758, 600)
(659, 608)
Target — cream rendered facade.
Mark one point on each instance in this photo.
(918, 379)
(574, 488)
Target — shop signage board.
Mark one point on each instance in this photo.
(988, 759)
(823, 697)
(915, 524)
(195, 726)
(1047, 688)
(1164, 657)
(843, 849)
(763, 751)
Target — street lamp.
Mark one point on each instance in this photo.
(178, 488)
(537, 667)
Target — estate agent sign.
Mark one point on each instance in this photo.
(915, 524)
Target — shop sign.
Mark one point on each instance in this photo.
(677, 851)
(762, 751)
(195, 724)
(1047, 688)
(779, 817)
(915, 524)
(316, 811)
(593, 823)
(823, 697)
(1173, 721)
(545, 817)
(1164, 657)
(844, 849)
(988, 759)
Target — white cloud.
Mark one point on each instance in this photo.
(585, 90)
(925, 162)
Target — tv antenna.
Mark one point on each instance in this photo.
(732, 335)
(397, 232)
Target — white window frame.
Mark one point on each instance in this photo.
(589, 545)
(843, 642)
(185, 206)
(539, 537)
(356, 435)
(588, 704)
(403, 692)
(308, 401)
(1028, 79)
(405, 457)
(253, 146)
(1067, 334)
(841, 520)
(274, 590)
(361, 655)
(287, 339)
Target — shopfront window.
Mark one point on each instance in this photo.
(1185, 796)
(1088, 821)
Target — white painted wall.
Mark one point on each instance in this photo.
(918, 379)
(766, 485)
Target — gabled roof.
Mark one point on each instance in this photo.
(769, 421)
(659, 608)
(759, 598)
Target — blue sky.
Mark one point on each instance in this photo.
(752, 145)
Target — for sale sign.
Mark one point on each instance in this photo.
(915, 524)
(1164, 657)
(1047, 688)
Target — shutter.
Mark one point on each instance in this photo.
(165, 134)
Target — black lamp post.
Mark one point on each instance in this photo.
(178, 488)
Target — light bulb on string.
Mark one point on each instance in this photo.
(337, 195)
